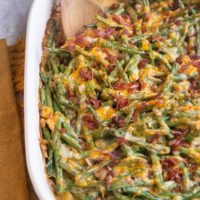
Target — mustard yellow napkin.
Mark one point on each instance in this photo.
(13, 185)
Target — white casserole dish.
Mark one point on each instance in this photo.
(38, 17)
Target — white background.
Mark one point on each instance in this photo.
(13, 18)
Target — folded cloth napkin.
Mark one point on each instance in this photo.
(13, 185)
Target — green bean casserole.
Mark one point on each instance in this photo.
(120, 103)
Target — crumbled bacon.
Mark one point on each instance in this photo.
(175, 5)
(114, 155)
(101, 174)
(62, 130)
(90, 122)
(122, 141)
(109, 68)
(194, 57)
(157, 96)
(171, 169)
(196, 63)
(70, 46)
(179, 60)
(73, 122)
(143, 63)
(95, 66)
(179, 139)
(111, 58)
(81, 41)
(104, 33)
(119, 85)
(121, 102)
(157, 39)
(108, 181)
(134, 86)
(129, 33)
(124, 20)
(94, 102)
(176, 143)
(194, 86)
(85, 74)
(119, 121)
(155, 137)
(138, 110)
(70, 94)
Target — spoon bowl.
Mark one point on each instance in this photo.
(77, 13)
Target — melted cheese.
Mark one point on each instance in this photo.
(105, 112)
(145, 45)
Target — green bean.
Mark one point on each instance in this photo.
(160, 149)
(155, 55)
(69, 68)
(157, 169)
(59, 174)
(49, 98)
(121, 71)
(186, 179)
(44, 78)
(71, 141)
(124, 48)
(46, 133)
(43, 96)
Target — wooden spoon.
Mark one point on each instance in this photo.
(77, 13)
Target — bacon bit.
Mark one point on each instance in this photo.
(155, 137)
(70, 94)
(196, 63)
(194, 87)
(183, 68)
(194, 57)
(119, 85)
(143, 63)
(94, 102)
(134, 86)
(173, 173)
(157, 39)
(114, 155)
(85, 74)
(112, 164)
(124, 20)
(192, 167)
(129, 33)
(177, 22)
(101, 174)
(185, 144)
(62, 130)
(108, 181)
(139, 109)
(121, 102)
(179, 139)
(119, 121)
(157, 96)
(122, 141)
(70, 46)
(90, 122)
(179, 60)
(81, 41)
(111, 58)
(176, 143)
(105, 33)
(175, 5)
(109, 68)
(73, 122)
(95, 66)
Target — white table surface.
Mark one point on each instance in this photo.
(13, 18)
